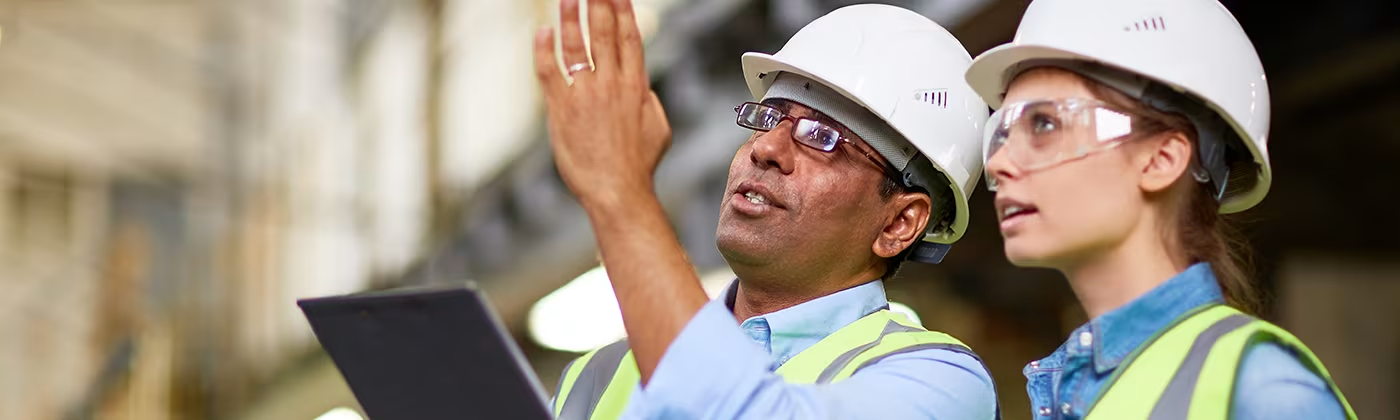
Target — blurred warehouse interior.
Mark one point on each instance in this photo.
(174, 174)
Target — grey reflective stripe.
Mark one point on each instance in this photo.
(1175, 403)
(845, 358)
(921, 347)
(592, 381)
(938, 346)
(554, 402)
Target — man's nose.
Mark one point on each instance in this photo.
(774, 149)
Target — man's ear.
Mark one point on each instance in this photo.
(1164, 161)
(905, 225)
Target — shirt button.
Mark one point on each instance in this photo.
(1045, 411)
(1035, 364)
(1086, 339)
(1065, 409)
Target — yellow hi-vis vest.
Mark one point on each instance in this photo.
(1188, 370)
(597, 385)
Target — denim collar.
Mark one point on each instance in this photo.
(1117, 333)
(789, 331)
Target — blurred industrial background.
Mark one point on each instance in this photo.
(174, 174)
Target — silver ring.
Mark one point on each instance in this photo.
(579, 67)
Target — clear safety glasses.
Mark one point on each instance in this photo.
(805, 131)
(1037, 135)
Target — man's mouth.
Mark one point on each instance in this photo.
(755, 197)
(757, 193)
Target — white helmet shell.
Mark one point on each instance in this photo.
(908, 71)
(1192, 46)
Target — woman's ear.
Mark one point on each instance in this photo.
(904, 226)
(1164, 161)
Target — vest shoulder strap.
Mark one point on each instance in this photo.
(566, 381)
(1189, 371)
(807, 366)
(598, 385)
(899, 343)
(614, 399)
(589, 380)
(1144, 375)
(861, 344)
(1215, 388)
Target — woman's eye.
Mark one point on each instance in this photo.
(1041, 123)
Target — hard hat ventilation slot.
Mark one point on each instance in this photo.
(1152, 24)
(935, 97)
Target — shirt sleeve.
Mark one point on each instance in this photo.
(713, 371)
(1273, 384)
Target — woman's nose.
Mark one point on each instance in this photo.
(1000, 168)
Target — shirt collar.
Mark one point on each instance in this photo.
(787, 332)
(1117, 333)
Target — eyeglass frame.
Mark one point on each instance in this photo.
(885, 167)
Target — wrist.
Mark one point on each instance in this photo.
(620, 201)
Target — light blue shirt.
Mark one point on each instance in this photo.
(1272, 383)
(717, 369)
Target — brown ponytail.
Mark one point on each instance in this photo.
(1203, 234)
(1207, 236)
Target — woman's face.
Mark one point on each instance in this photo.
(1063, 215)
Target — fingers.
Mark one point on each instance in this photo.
(571, 34)
(602, 29)
(630, 60)
(546, 69)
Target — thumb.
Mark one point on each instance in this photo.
(662, 127)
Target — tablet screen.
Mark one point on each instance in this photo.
(426, 354)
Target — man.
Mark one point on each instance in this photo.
(866, 142)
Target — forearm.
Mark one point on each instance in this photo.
(608, 132)
(656, 286)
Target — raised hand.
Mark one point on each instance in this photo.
(607, 127)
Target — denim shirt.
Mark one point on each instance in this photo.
(1272, 383)
(721, 369)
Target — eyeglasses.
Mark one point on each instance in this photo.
(805, 131)
(1042, 134)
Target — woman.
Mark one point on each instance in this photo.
(1125, 130)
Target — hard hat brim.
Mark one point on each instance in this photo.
(989, 73)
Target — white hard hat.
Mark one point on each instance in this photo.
(1193, 47)
(907, 71)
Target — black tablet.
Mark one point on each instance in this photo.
(426, 354)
